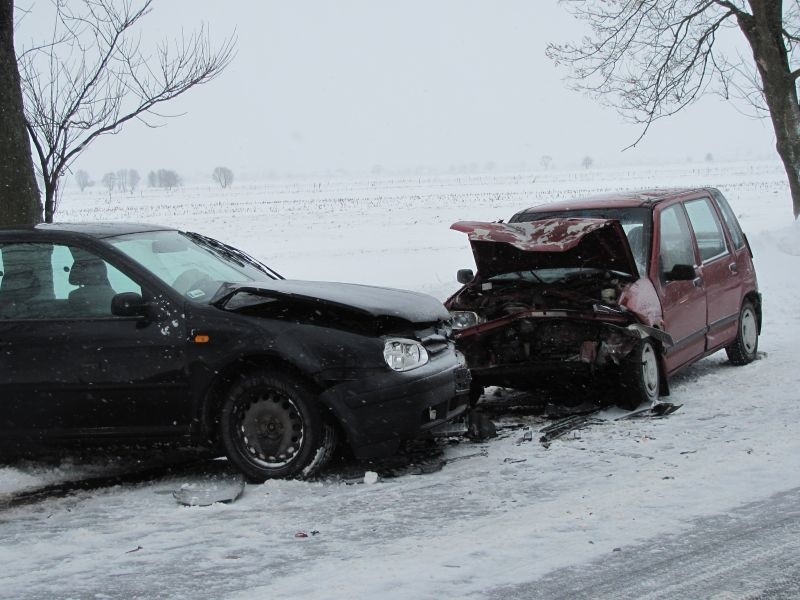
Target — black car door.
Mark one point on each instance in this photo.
(68, 367)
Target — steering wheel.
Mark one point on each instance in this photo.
(190, 279)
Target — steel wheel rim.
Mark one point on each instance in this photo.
(269, 429)
(650, 370)
(749, 331)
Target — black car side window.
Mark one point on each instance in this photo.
(51, 281)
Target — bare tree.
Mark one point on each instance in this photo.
(223, 176)
(109, 180)
(587, 162)
(19, 195)
(133, 179)
(121, 179)
(168, 179)
(546, 161)
(92, 76)
(652, 58)
(82, 179)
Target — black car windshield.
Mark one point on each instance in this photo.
(636, 222)
(193, 265)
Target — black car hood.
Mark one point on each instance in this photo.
(371, 301)
(549, 243)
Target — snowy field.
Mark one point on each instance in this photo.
(508, 513)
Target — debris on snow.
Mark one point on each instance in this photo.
(660, 409)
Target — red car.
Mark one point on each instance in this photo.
(620, 290)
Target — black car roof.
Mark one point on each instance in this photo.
(97, 230)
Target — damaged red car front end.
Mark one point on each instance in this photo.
(554, 301)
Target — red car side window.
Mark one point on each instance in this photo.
(677, 247)
(707, 229)
(730, 220)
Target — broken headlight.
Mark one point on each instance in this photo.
(404, 355)
(461, 319)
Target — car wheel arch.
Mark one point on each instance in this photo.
(243, 366)
(755, 299)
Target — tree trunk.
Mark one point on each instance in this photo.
(19, 195)
(50, 194)
(764, 32)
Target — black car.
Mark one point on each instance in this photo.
(137, 332)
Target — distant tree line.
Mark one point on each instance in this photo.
(126, 180)
(164, 178)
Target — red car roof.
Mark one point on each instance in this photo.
(616, 199)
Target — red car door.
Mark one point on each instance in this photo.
(719, 271)
(683, 302)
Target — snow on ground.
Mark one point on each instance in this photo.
(508, 513)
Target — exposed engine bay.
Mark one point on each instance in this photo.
(543, 324)
(577, 291)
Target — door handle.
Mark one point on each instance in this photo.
(697, 282)
(733, 268)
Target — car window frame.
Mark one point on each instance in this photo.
(733, 228)
(715, 213)
(99, 250)
(656, 251)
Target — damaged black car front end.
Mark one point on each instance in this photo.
(383, 360)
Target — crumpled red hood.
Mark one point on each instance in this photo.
(550, 243)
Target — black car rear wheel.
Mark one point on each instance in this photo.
(744, 348)
(271, 427)
(641, 378)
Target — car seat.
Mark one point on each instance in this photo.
(17, 290)
(94, 293)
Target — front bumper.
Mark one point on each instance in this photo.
(382, 408)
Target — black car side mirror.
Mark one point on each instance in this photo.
(465, 275)
(681, 273)
(129, 304)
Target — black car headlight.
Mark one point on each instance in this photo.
(461, 319)
(403, 355)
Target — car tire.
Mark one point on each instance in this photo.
(271, 427)
(641, 376)
(744, 348)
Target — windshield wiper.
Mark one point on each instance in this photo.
(227, 252)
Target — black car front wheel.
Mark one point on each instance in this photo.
(744, 348)
(641, 378)
(271, 427)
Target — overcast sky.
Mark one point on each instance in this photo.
(320, 86)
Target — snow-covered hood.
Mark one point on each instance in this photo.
(550, 243)
(369, 300)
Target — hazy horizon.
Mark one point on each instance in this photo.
(361, 87)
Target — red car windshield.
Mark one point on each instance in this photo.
(636, 223)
